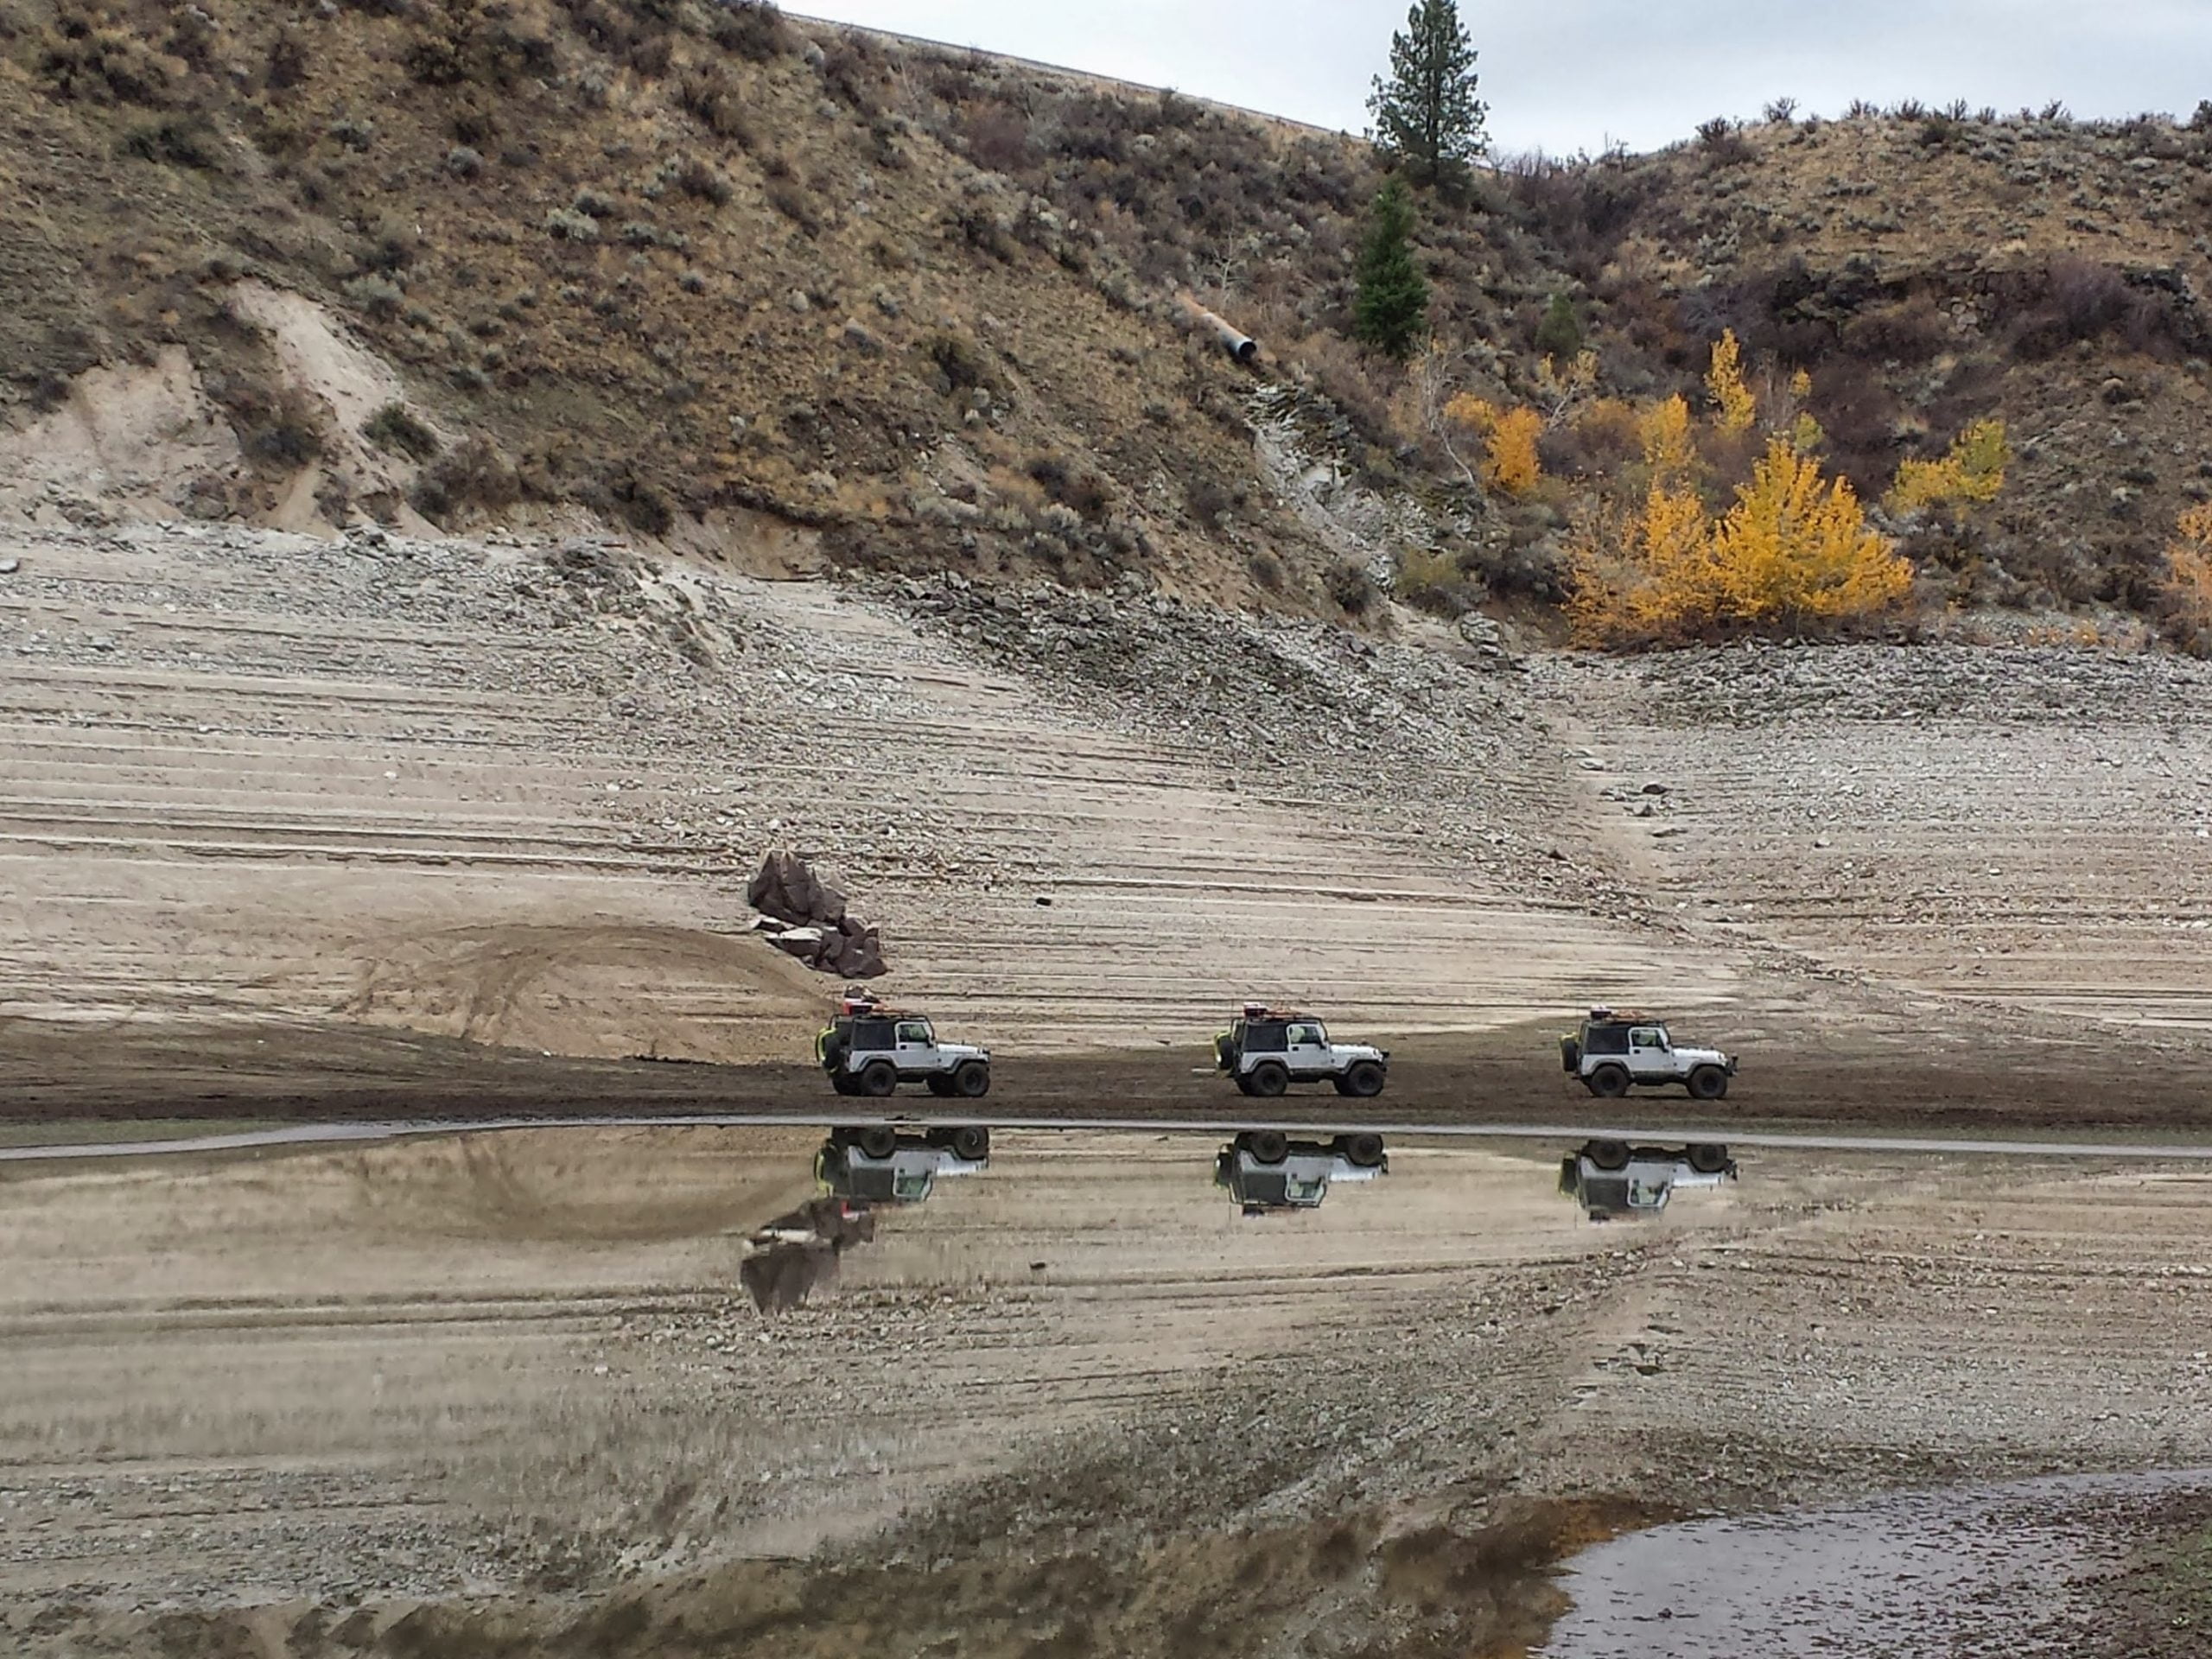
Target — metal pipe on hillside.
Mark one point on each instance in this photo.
(1238, 345)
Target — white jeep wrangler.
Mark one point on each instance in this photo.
(1266, 1170)
(1610, 1179)
(1613, 1052)
(870, 1049)
(1268, 1050)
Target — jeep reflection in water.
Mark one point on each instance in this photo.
(877, 1164)
(1610, 1178)
(1265, 1170)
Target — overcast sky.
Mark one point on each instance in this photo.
(1566, 75)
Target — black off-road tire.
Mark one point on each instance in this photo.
(941, 1087)
(1268, 1079)
(842, 1081)
(971, 1080)
(971, 1141)
(1361, 1150)
(1708, 1083)
(1708, 1159)
(1268, 1146)
(878, 1078)
(1363, 1080)
(1610, 1082)
(877, 1140)
(1608, 1155)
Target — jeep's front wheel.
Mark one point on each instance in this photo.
(1708, 1083)
(1708, 1160)
(972, 1080)
(1268, 1079)
(1362, 1079)
(1363, 1151)
(878, 1078)
(971, 1142)
(1610, 1081)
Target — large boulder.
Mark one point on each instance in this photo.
(787, 888)
(806, 918)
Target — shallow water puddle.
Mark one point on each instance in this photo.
(1959, 1570)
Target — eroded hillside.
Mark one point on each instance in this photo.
(810, 297)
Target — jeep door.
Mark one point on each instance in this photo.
(917, 1054)
(1650, 1058)
(1306, 1052)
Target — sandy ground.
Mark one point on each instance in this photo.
(445, 1371)
(443, 787)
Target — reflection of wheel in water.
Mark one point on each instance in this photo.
(972, 1143)
(879, 1141)
(1607, 1154)
(1708, 1160)
(1268, 1146)
(1363, 1151)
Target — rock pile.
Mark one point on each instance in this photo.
(806, 918)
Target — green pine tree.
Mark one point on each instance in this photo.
(1392, 308)
(1426, 114)
(1560, 335)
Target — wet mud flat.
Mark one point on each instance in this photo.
(2070, 1564)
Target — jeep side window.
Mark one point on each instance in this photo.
(871, 1033)
(1605, 1039)
(914, 1030)
(1646, 1037)
(1302, 1035)
(1264, 1039)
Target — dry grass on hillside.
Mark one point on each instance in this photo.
(677, 262)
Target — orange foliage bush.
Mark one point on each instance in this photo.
(1734, 408)
(2188, 592)
(1509, 462)
(1794, 549)
(1969, 476)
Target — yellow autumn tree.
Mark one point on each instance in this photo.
(1734, 408)
(1509, 436)
(1795, 547)
(2188, 592)
(1793, 550)
(1668, 453)
(1971, 475)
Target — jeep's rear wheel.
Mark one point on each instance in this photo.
(971, 1141)
(1607, 1154)
(1708, 1160)
(1362, 1079)
(1610, 1081)
(1268, 1146)
(1708, 1083)
(940, 1087)
(841, 1082)
(972, 1080)
(1268, 1079)
(878, 1078)
(1363, 1151)
(878, 1142)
